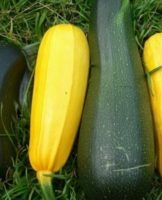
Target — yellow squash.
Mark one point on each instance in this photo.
(60, 83)
(152, 56)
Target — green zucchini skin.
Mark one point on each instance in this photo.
(12, 69)
(116, 145)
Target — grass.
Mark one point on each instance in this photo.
(24, 22)
(147, 19)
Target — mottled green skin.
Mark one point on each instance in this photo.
(12, 68)
(116, 147)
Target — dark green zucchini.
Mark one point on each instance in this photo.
(12, 68)
(116, 146)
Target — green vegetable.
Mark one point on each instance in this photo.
(116, 146)
(12, 68)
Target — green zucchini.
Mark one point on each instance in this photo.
(12, 68)
(116, 145)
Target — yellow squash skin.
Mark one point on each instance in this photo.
(60, 83)
(152, 56)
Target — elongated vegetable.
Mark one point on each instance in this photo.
(12, 68)
(116, 146)
(153, 62)
(59, 89)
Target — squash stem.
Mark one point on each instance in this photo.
(45, 180)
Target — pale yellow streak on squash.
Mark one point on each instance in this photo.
(59, 90)
(152, 55)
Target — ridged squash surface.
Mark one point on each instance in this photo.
(153, 62)
(60, 83)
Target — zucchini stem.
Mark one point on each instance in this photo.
(45, 180)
